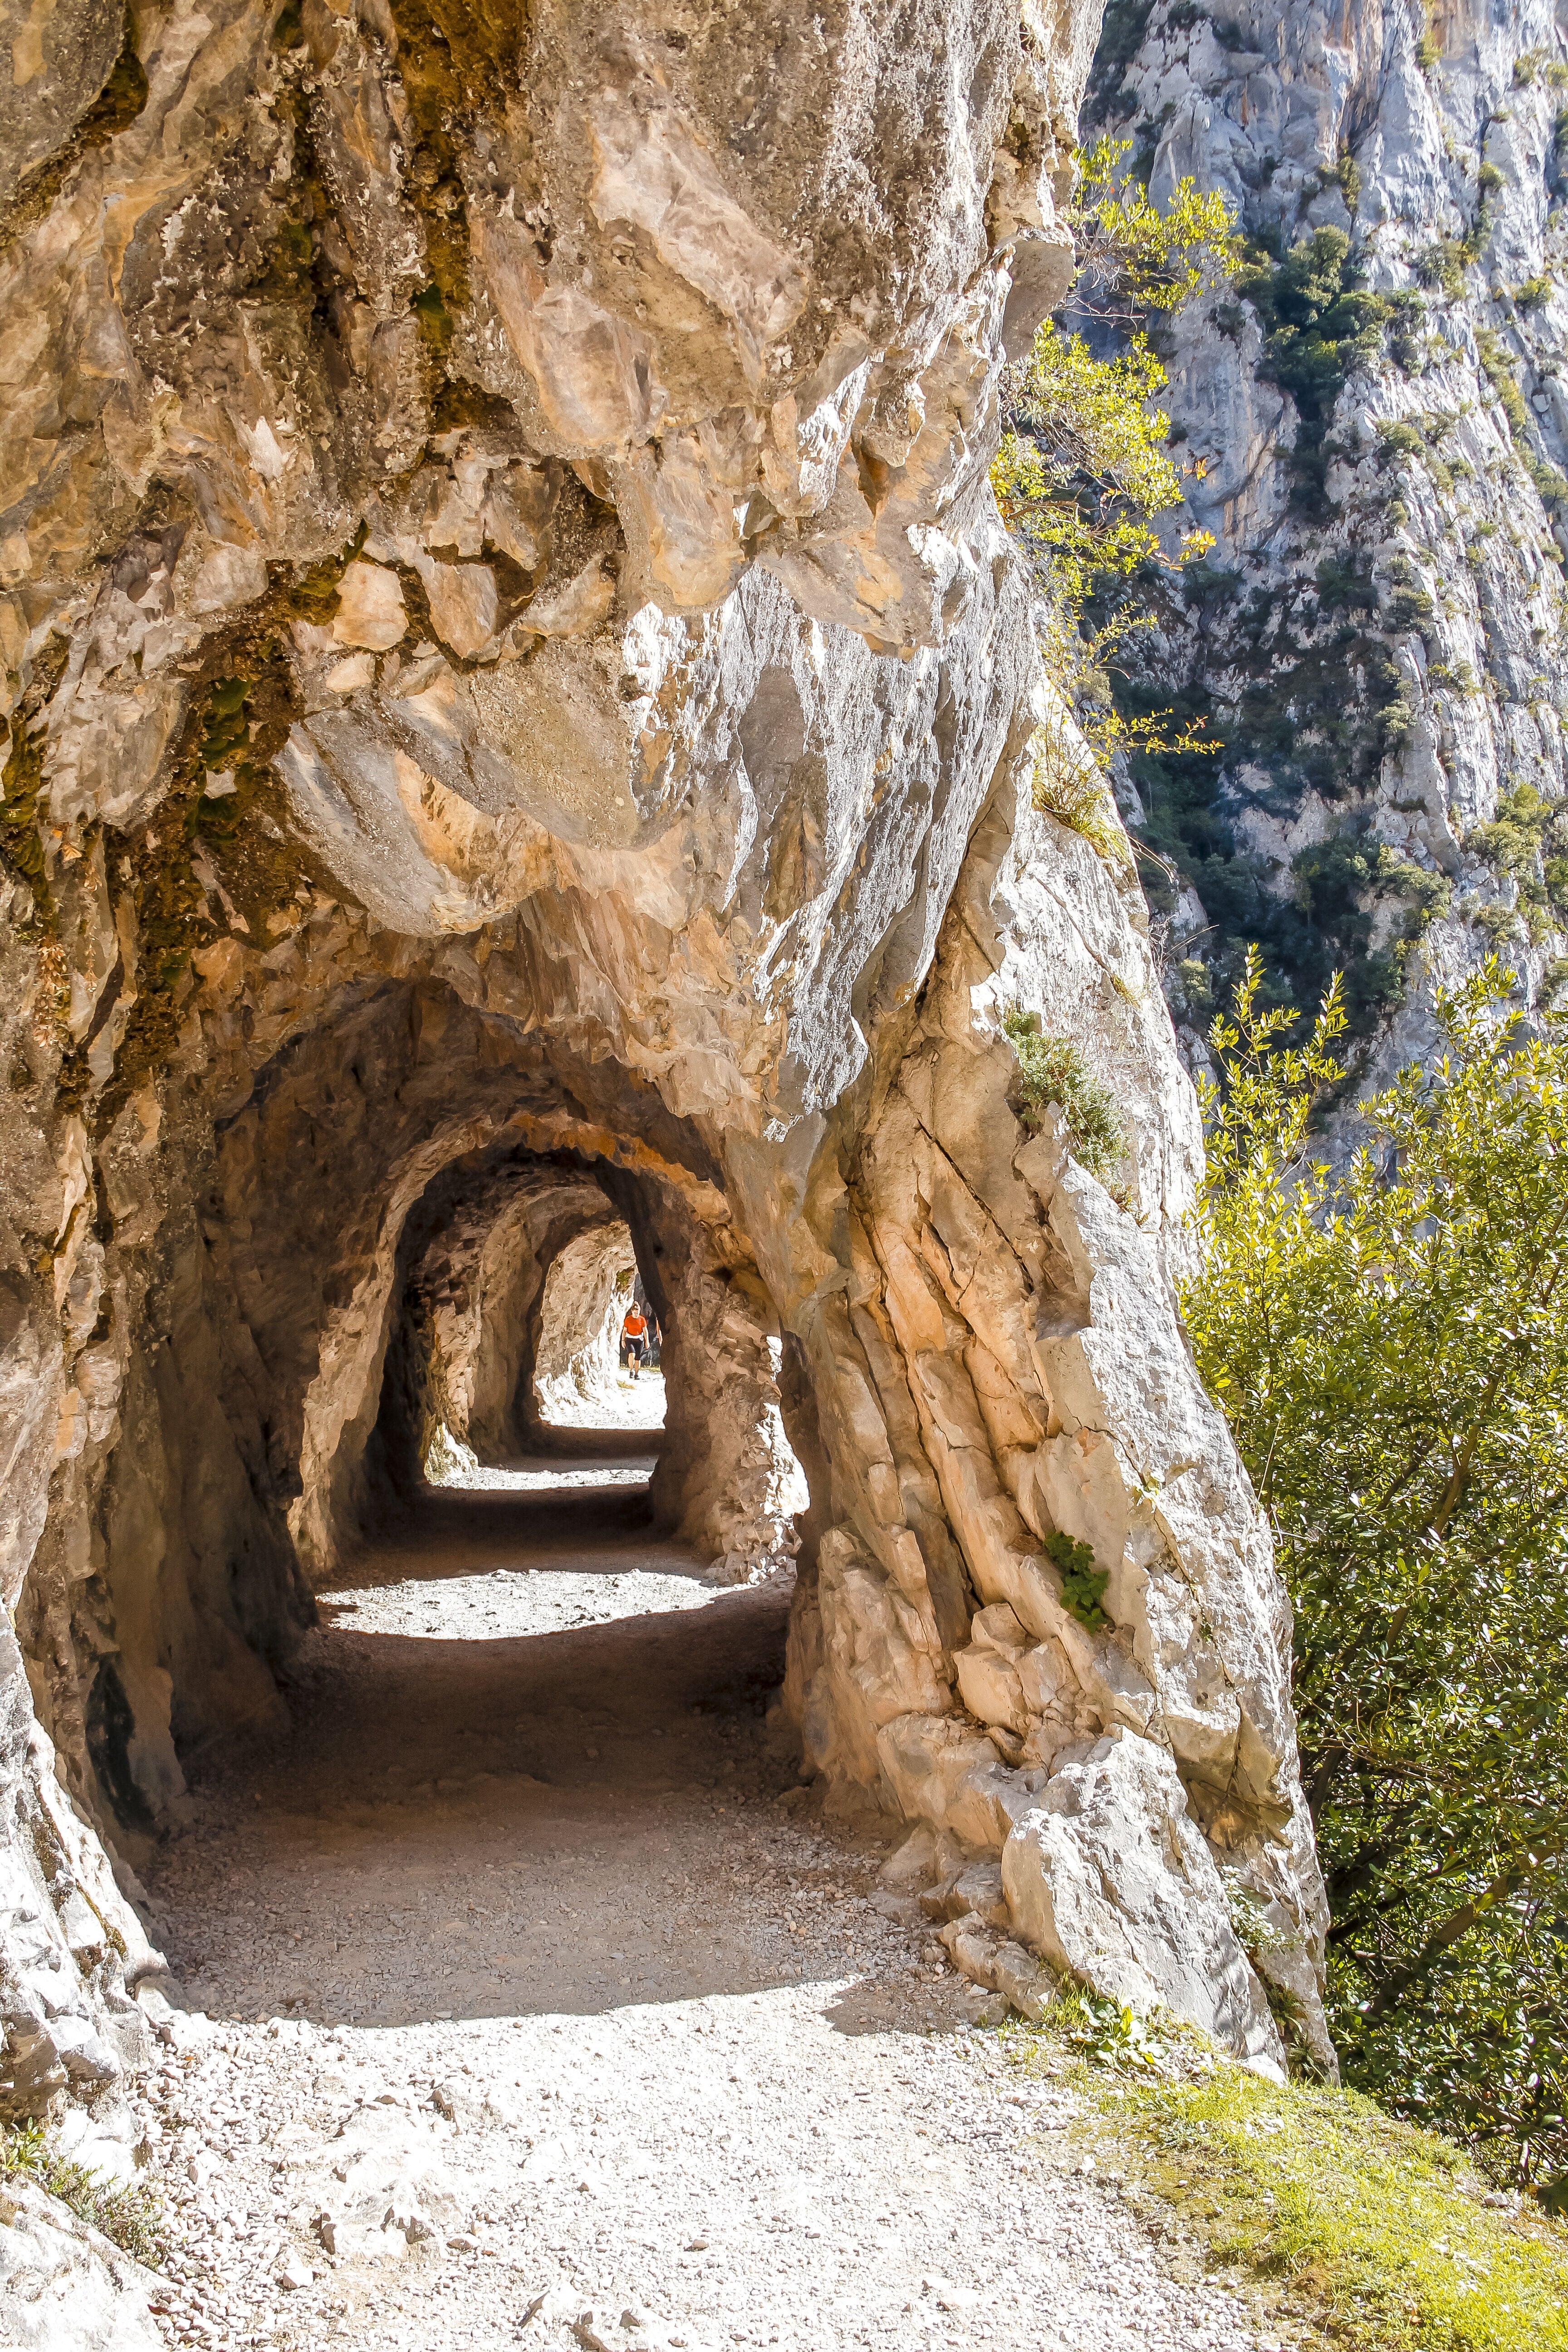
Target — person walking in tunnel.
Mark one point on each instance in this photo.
(634, 1332)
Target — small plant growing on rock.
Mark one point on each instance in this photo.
(1066, 783)
(1053, 1070)
(1106, 2032)
(130, 2218)
(1082, 1584)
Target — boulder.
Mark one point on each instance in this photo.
(63, 2286)
(1110, 1881)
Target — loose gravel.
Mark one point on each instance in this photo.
(541, 2006)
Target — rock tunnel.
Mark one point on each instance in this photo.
(521, 772)
(407, 1241)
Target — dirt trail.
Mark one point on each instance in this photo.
(538, 1990)
(501, 1821)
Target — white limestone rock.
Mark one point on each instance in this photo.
(63, 2286)
(676, 877)
(1110, 1881)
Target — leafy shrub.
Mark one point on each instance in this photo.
(1496, 923)
(1512, 841)
(1401, 441)
(1391, 1340)
(1408, 607)
(1195, 983)
(1084, 465)
(1442, 264)
(1053, 1070)
(1320, 324)
(1428, 893)
(1083, 1584)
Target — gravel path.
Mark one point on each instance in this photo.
(546, 2011)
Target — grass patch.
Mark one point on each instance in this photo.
(130, 2218)
(1065, 782)
(1373, 2234)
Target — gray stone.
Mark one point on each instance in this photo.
(1112, 1883)
(63, 2286)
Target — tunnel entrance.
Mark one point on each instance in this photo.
(405, 1267)
(548, 1599)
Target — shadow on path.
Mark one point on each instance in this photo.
(510, 1822)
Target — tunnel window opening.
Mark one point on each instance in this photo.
(523, 1280)
(589, 1402)
(593, 1368)
(545, 1484)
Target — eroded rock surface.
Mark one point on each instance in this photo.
(1378, 636)
(66, 2288)
(519, 722)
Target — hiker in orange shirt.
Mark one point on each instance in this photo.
(634, 1332)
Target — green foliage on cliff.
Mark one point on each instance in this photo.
(1135, 257)
(1084, 465)
(1390, 1338)
(1052, 1071)
(1085, 469)
(1497, 365)
(1083, 1584)
(1320, 323)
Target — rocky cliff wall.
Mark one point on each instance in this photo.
(514, 674)
(1375, 415)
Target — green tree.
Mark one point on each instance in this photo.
(1390, 1340)
(1084, 465)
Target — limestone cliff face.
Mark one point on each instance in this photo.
(1378, 410)
(519, 713)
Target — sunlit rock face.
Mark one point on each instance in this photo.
(519, 722)
(1376, 635)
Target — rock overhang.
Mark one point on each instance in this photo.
(515, 655)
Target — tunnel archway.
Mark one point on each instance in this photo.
(914, 1291)
(367, 1266)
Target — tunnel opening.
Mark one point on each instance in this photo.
(461, 1601)
(531, 1669)
(390, 1327)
